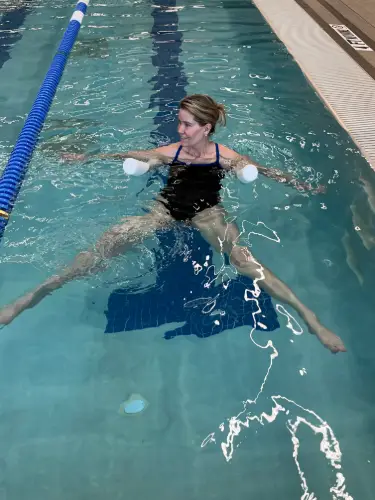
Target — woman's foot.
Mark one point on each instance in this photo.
(326, 337)
(8, 313)
(11, 311)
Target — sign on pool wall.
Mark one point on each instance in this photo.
(353, 40)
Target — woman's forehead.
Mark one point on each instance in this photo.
(185, 116)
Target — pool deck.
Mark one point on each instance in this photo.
(340, 64)
(357, 15)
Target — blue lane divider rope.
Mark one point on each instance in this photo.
(16, 168)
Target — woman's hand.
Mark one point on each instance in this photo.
(320, 189)
(305, 186)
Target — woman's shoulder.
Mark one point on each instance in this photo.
(169, 150)
(227, 153)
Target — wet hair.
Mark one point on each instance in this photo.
(204, 110)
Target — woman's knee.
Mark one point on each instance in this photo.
(142, 225)
(85, 263)
(241, 257)
(131, 231)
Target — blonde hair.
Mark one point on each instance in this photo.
(204, 110)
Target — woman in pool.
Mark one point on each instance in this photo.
(191, 195)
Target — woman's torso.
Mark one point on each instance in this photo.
(192, 187)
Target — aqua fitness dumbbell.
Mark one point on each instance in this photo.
(247, 174)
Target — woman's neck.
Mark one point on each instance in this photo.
(198, 150)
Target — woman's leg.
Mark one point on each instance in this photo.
(224, 236)
(114, 242)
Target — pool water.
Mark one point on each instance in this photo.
(239, 414)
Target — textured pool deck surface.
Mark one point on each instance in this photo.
(333, 41)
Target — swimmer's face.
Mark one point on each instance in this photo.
(189, 130)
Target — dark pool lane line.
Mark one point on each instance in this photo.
(169, 82)
(176, 282)
(10, 23)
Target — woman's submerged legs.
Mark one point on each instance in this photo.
(114, 242)
(223, 237)
(131, 231)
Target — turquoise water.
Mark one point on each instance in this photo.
(62, 380)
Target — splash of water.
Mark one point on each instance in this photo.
(329, 444)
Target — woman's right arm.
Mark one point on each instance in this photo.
(159, 156)
(146, 155)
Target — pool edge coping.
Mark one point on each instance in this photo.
(346, 89)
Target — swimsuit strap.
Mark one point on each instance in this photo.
(175, 159)
(217, 153)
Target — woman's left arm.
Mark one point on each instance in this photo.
(237, 162)
(285, 178)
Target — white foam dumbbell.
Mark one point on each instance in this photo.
(132, 166)
(247, 174)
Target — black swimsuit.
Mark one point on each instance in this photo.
(192, 188)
